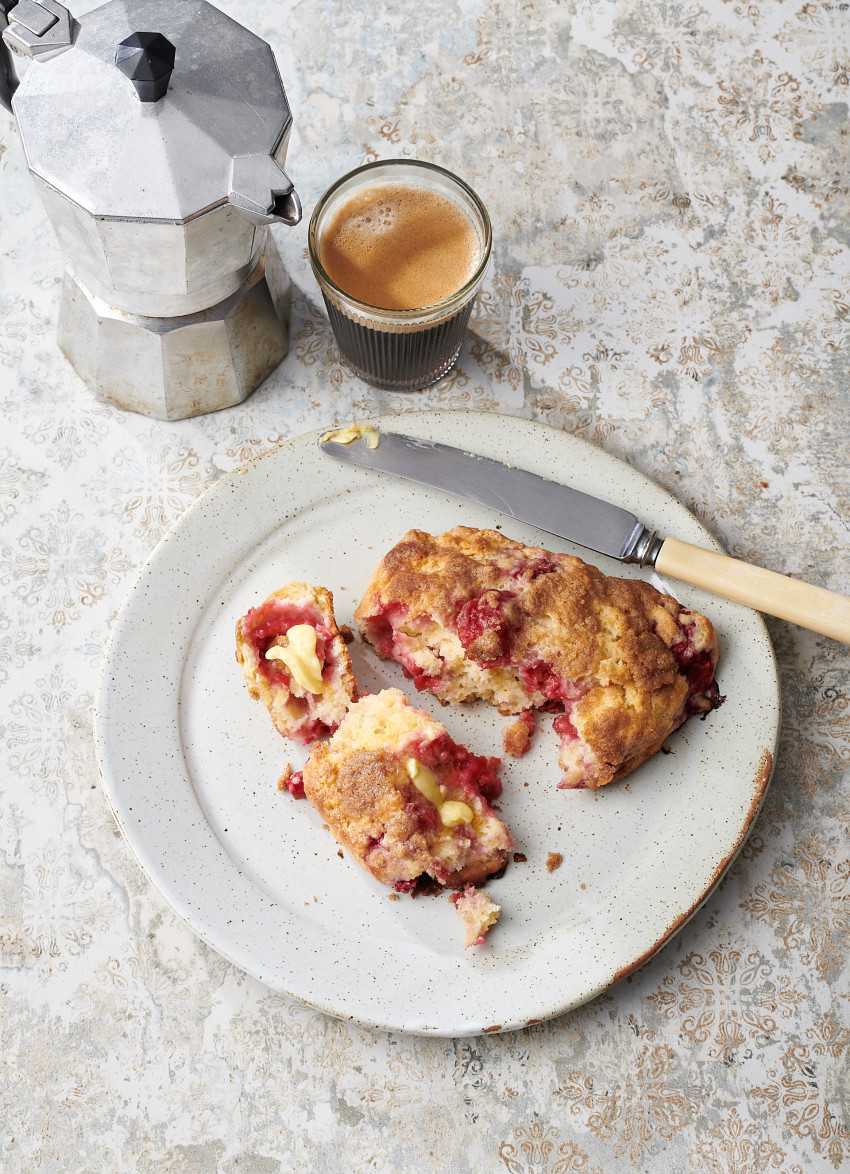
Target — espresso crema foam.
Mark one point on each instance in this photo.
(399, 247)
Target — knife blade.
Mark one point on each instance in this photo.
(555, 508)
(589, 522)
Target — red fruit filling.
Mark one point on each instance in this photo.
(563, 726)
(531, 569)
(698, 667)
(421, 680)
(295, 785)
(537, 676)
(264, 624)
(382, 627)
(482, 628)
(306, 734)
(478, 616)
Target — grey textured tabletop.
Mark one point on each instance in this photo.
(668, 185)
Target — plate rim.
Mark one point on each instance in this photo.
(212, 938)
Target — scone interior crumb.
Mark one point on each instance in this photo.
(477, 912)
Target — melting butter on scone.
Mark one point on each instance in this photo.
(295, 661)
(404, 799)
(471, 614)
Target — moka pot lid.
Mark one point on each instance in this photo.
(94, 129)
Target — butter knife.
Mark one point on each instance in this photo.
(589, 522)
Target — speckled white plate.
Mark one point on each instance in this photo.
(190, 763)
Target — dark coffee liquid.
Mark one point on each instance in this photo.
(399, 361)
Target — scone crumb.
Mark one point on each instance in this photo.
(516, 738)
(391, 896)
(285, 776)
(341, 854)
(581, 886)
(520, 858)
(554, 860)
(477, 912)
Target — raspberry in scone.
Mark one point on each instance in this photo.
(471, 614)
(295, 661)
(404, 799)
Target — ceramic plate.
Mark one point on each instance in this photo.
(190, 762)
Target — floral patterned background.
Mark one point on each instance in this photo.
(669, 188)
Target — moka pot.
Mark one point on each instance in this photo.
(156, 133)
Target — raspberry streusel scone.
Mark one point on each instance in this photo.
(404, 799)
(471, 614)
(295, 661)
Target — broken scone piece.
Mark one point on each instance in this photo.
(295, 661)
(471, 614)
(516, 738)
(477, 912)
(404, 799)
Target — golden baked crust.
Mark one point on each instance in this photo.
(472, 614)
(297, 711)
(516, 737)
(360, 783)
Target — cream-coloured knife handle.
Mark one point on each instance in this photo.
(801, 603)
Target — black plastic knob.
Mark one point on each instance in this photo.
(148, 61)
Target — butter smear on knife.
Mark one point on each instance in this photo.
(350, 433)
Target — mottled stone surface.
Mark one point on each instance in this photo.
(670, 190)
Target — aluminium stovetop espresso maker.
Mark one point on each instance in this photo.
(156, 133)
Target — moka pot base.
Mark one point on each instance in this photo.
(172, 368)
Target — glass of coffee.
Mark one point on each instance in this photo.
(399, 249)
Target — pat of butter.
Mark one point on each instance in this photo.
(299, 656)
(452, 811)
(424, 780)
(371, 436)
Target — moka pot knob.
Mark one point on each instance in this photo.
(147, 59)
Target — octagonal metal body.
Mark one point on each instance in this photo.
(174, 367)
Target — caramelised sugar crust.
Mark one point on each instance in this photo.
(360, 783)
(297, 711)
(472, 614)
